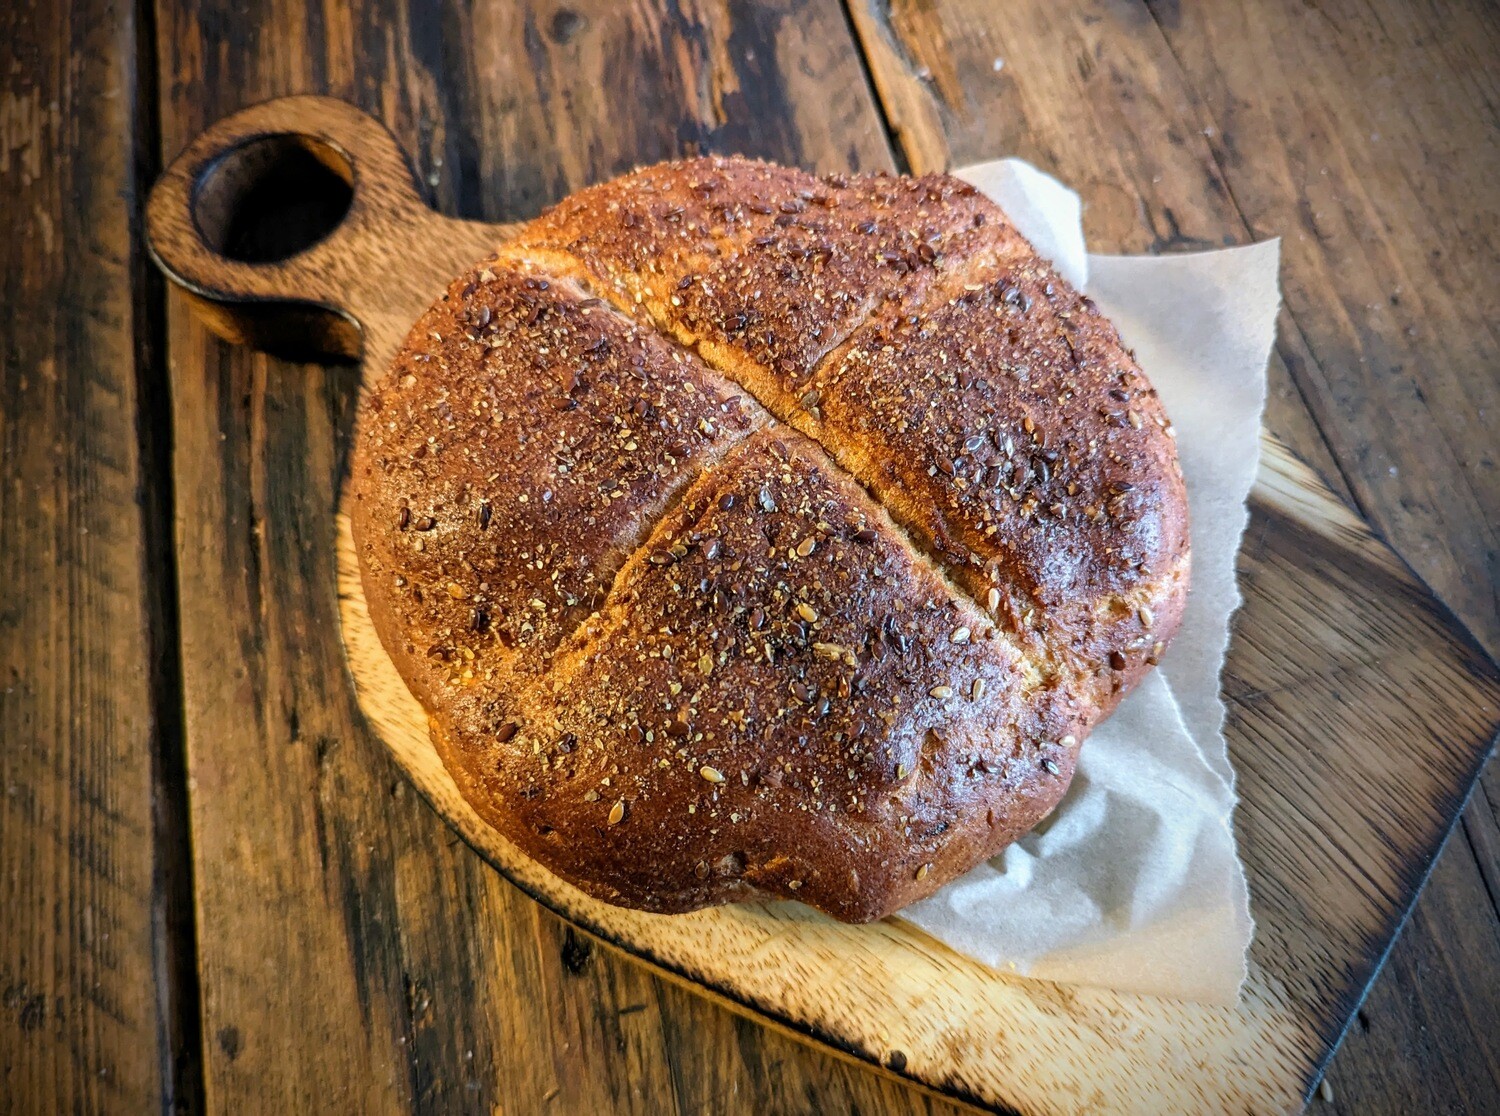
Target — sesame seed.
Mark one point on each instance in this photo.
(806, 546)
(960, 635)
(1147, 616)
(942, 693)
(457, 591)
(902, 771)
(1068, 742)
(1051, 766)
(617, 813)
(993, 599)
(712, 774)
(976, 689)
(834, 652)
(922, 871)
(807, 612)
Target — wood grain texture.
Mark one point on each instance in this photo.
(1365, 136)
(1321, 124)
(88, 1016)
(353, 955)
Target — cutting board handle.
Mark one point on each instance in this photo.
(349, 288)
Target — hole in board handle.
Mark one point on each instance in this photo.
(272, 197)
(262, 202)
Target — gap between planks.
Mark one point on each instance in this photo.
(174, 928)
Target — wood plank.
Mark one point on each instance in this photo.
(352, 953)
(1363, 132)
(86, 868)
(1230, 104)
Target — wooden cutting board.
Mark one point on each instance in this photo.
(1359, 717)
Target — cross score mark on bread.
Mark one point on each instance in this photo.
(748, 533)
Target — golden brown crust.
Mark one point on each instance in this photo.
(685, 652)
(525, 439)
(766, 264)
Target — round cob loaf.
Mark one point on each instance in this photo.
(747, 533)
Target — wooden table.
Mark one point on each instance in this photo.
(215, 890)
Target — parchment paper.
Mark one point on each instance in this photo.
(1134, 882)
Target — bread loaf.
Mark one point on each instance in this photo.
(751, 534)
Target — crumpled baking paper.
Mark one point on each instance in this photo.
(1134, 882)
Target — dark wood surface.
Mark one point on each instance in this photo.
(171, 654)
(96, 969)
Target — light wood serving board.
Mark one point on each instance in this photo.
(1359, 717)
